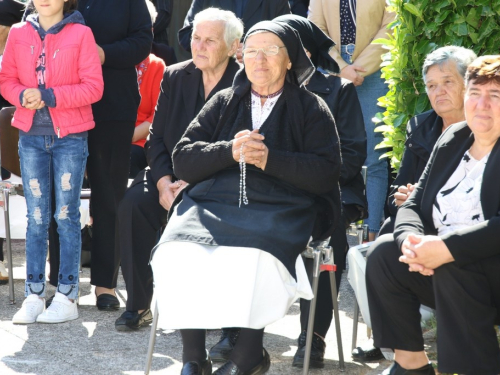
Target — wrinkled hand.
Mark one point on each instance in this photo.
(351, 72)
(32, 99)
(254, 149)
(403, 193)
(177, 187)
(424, 253)
(166, 192)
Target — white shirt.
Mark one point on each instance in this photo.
(458, 203)
(260, 112)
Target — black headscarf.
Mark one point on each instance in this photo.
(302, 68)
(314, 40)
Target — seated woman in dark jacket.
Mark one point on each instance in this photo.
(445, 250)
(185, 88)
(443, 73)
(263, 163)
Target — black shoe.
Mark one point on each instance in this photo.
(367, 354)
(107, 302)
(48, 301)
(230, 368)
(195, 368)
(396, 369)
(317, 352)
(221, 351)
(132, 320)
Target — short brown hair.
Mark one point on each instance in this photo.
(483, 70)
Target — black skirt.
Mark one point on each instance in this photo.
(278, 219)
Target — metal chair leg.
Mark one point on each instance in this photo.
(355, 324)
(322, 256)
(333, 285)
(6, 194)
(152, 340)
(361, 234)
(312, 311)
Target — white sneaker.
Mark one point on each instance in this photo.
(60, 310)
(32, 306)
(4, 274)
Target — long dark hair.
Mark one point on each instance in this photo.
(70, 6)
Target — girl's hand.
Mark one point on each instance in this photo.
(32, 99)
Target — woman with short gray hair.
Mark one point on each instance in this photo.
(443, 73)
(461, 56)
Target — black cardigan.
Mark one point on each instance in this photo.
(255, 11)
(422, 132)
(123, 29)
(341, 97)
(175, 110)
(205, 149)
(470, 244)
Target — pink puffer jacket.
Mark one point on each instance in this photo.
(73, 71)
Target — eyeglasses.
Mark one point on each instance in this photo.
(268, 51)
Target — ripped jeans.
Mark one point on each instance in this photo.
(49, 162)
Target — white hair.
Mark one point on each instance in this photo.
(461, 56)
(152, 11)
(233, 26)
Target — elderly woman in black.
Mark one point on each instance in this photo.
(262, 159)
(445, 250)
(443, 73)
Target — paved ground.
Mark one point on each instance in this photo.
(90, 344)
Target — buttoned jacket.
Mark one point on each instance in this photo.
(372, 19)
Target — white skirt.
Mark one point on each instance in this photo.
(201, 286)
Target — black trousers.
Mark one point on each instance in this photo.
(324, 304)
(388, 226)
(107, 170)
(140, 217)
(138, 160)
(466, 299)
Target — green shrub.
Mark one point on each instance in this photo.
(420, 27)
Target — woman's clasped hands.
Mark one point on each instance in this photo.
(424, 253)
(254, 150)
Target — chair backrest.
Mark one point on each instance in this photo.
(9, 139)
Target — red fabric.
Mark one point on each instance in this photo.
(150, 91)
(73, 71)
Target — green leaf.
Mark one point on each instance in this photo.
(487, 27)
(473, 18)
(423, 103)
(413, 10)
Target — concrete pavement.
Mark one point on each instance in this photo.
(91, 345)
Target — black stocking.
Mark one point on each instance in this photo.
(247, 352)
(193, 349)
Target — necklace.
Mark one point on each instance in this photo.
(268, 96)
(243, 176)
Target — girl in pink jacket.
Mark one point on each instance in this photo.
(51, 70)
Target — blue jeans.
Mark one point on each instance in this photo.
(49, 162)
(373, 87)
